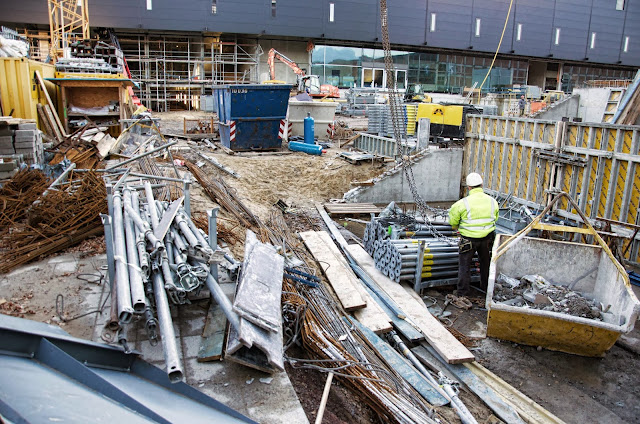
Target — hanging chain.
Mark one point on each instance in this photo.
(397, 119)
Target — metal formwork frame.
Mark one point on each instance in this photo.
(597, 164)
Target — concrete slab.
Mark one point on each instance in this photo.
(66, 267)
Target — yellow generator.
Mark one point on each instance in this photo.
(447, 120)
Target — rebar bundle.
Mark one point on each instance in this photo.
(219, 192)
(18, 194)
(60, 218)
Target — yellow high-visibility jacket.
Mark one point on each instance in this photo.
(474, 215)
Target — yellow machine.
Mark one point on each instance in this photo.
(447, 121)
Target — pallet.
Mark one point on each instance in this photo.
(352, 208)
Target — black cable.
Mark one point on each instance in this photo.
(60, 299)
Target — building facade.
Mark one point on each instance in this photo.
(445, 45)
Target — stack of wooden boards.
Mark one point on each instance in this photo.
(380, 305)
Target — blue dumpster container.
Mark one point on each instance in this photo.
(250, 115)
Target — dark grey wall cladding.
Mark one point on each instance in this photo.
(453, 23)
(354, 20)
(536, 17)
(295, 17)
(492, 14)
(409, 21)
(605, 23)
(632, 30)
(572, 17)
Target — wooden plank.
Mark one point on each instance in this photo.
(439, 337)
(402, 326)
(402, 367)
(213, 334)
(351, 208)
(337, 272)
(50, 115)
(44, 120)
(373, 316)
(464, 375)
(50, 103)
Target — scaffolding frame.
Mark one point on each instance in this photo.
(68, 19)
(175, 70)
(235, 63)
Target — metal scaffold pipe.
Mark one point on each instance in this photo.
(171, 357)
(144, 228)
(151, 205)
(123, 290)
(133, 262)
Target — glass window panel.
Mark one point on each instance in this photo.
(342, 76)
(343, 55)
(317, 55)
(368, 57)
(318, 70)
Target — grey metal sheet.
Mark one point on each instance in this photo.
(48, 376)
(176, 409)
(40, 394)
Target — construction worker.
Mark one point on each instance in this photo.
(522, 103)
(475, 217)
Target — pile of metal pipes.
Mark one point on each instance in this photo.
(411, 252)
(156, 256)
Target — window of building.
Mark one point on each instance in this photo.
(593, 41)
(331, 11)
(557, 39)
(149, 4)
(432, 27)
(273, 8)
(477, 27)
(620, 4)
(519, 32)
(626, 44)
(214, 7)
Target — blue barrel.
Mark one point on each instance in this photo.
(309, 129)
(311, 149)
(251, 115)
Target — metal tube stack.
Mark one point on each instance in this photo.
(411, 252)
(157, 261)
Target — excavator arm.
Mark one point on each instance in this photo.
(271, 61)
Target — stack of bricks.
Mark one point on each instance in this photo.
(21, 137)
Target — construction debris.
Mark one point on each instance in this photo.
(533, 291)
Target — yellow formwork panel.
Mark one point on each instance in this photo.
(553, 334)
(604, 186)
(619, 192)
(18, 88)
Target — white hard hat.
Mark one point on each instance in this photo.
(474, 180)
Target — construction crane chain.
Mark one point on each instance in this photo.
(397, 118)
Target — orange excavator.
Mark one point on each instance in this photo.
(306, 83)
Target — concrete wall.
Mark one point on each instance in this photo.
(592, 103)
(568, 107)
(437, 177)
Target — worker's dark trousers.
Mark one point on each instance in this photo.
(467, 248)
